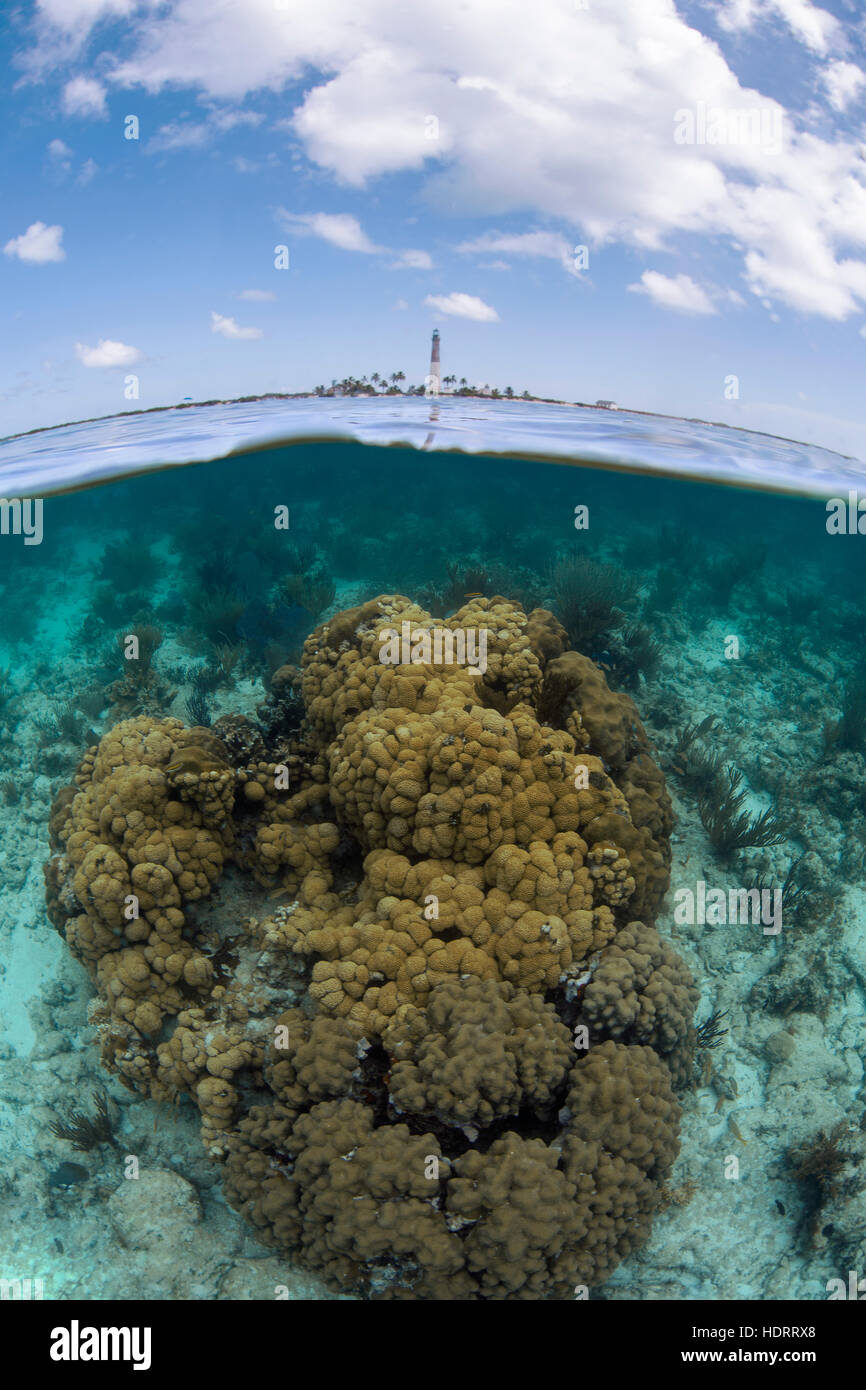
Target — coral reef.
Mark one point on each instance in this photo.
(443, 1066)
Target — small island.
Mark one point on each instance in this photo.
(378, 385)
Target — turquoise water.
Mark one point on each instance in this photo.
(695, 569)
(45, 460)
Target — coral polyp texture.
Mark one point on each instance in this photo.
(399, 953)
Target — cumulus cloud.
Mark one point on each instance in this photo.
(191, 135)
(179, 135)
(462, 306)
(548, 244)
(72, 15)
(814, 27)
(60, 151)
(843, 83)
(563, 114)
(84, 96)
(343, 230)
(413, 260)
(228, 328)
(258, 296)
(38, 244)
(674, 292)
(339, 228)
(229, 120)
(107, 353)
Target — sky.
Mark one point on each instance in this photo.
(654, 203)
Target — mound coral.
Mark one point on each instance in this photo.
(443, 1065)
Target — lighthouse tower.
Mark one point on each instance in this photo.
(434, 380)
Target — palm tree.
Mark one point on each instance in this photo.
(463, 383)
(375, 378)
(509, 392)
(399, 376)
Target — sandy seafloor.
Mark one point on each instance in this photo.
(719, 1238)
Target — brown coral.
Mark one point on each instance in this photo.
(479, 1051)
(384, 1061)
(642, 992)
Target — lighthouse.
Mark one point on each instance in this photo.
(434, 379)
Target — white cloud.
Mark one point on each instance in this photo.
(229, 120)
(339, 228)
(258, 296)
(843, 83)
(190, 135)
(59, 150)
(107, 353)
(38, 244)
(88, 171)
(679, 292)
(229, 329)
(84, 96)
(814, 27)
(547, 244)
(462, 306)
(177, 135)
(560, 114)
(401, 304)
(413, 260)
(71, 15)
(345, 231)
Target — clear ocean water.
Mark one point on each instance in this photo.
(706, 573)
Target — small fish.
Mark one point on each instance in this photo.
(67, 1174)
(194, 759)
(734, 1128)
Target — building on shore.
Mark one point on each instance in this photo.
(434, 376)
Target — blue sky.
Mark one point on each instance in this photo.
(439, 171)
